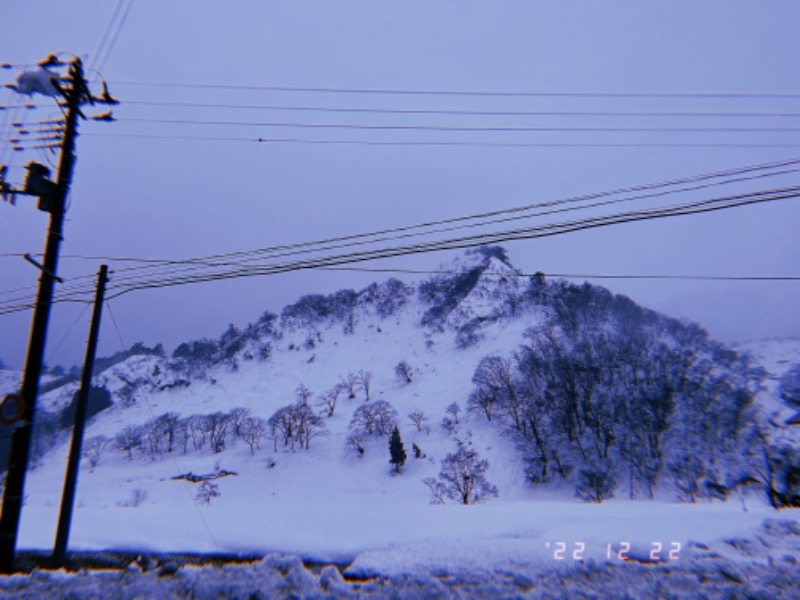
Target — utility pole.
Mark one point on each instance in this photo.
(71, 478)
(52, 199)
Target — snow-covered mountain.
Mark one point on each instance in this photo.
(578, 400)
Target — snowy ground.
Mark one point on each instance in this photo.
(729, 568)
(326, 505)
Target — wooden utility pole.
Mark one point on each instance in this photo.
(53, 201)
(71, 478)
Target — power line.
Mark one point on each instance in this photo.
(451, 244)
(299, 249)
(757, 278)
(101, 62)
(482, 113)
(486, 93)
(466, 242)
(101, 46)
(668, 187)
(351, 142)
(239, 264)
(154, 267)
(451, 128)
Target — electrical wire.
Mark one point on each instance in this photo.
(235, 264)
(481, 113)
(455, 243)
(239, 258)
(101, 46)
(451, 128)
(66, 335)
(352, 142)
(477, 93)
(467, 241)
(749, 278)
(101, 62)
(178, 469)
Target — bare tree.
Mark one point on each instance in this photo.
(484, 400)
(455, 410)
(130, 439)
(309, 425)
(252, 431)
(93, 449)
(462, 478)
(375, 418)
(330, 398)
(350, 384)
(417, 417)
(195, 426)
(167, 425)
(364, 379)
(296, 423)
(357, 440)
(282, 425)
(303, 394)
(237, 418)
(217, 425)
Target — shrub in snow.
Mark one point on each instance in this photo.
(455, 410)
(138, 497)
(357, 440)
(403, 372)
(462, 478)
(449, 425)
(469, 334)
(207, 492)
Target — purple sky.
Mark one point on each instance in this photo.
(170, 198)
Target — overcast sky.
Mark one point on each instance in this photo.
(148, 197)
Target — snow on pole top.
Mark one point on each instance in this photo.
(39, 81)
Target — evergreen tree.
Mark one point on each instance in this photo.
(397, 450)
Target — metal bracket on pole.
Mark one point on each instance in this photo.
(42, 268)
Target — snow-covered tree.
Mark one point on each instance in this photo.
(463, 477)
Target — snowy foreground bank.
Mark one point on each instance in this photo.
(763, 564)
